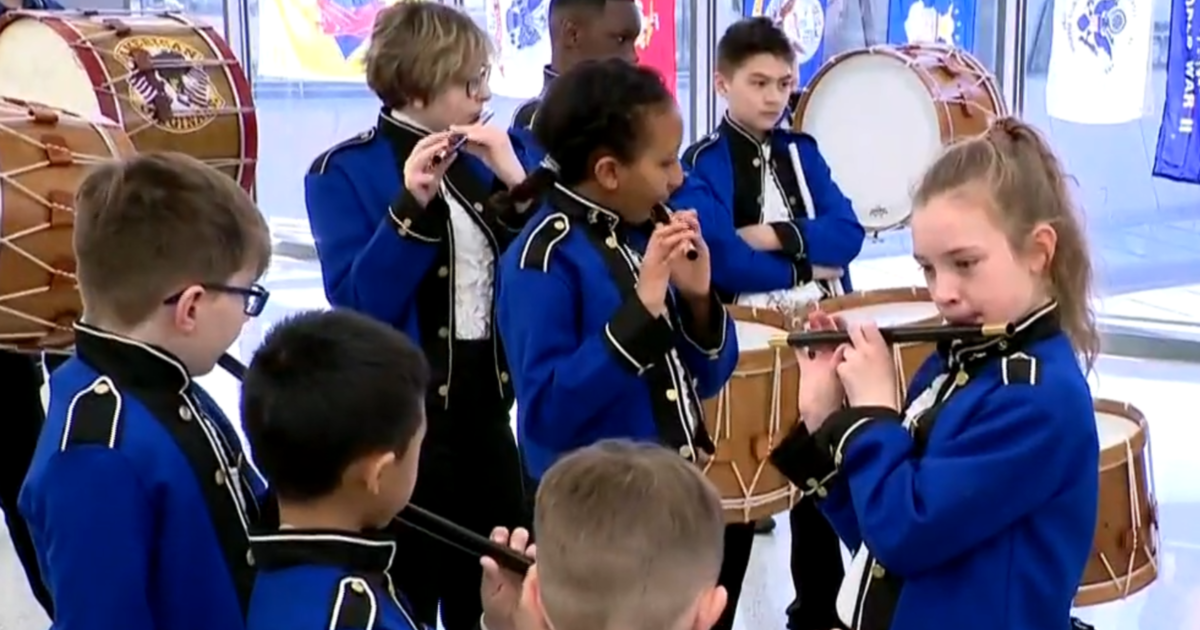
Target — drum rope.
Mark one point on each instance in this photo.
(11, 178)
(723, 430)
(1125, 584)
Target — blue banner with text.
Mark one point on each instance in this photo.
(1177, 156)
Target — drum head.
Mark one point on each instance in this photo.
(878, 128)
(1114, 430)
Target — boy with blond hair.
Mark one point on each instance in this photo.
(629, 535)
(139, 495)
(397, 213)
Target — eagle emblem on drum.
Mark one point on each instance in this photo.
(168, 83)
(1099, 29)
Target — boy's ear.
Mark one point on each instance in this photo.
(372, 470)
(530, 614)
(709, 607)
(721, 84)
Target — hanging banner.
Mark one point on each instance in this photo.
(804, 23)
(949, 22)
(1178, 154)
(520, 32)
(656, 43)
(1099, 61)
(315, 40)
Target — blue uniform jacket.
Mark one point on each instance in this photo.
(588, 360)
(139, 496)
(724, 185)
(318, 580)
(983, 515)
(531, 153)
(383, 255)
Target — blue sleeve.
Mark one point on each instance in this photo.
(834, 237)
(526, 147)
(565, 380)
(736, 267)
(839, 511)
(916, 514)
(711, 353)
(98, 524)
(372, 266)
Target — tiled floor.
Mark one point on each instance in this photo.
(1160, 390)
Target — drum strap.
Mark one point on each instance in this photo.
(831, 288)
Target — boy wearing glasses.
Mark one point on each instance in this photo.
(398, 215)
(139, 496)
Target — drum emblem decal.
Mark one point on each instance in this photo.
(527, 22)
(168, 85)
(804, 23)
(1098, 29)
(649, 23)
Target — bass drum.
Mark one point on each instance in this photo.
(44, 155)
(883, 114)
(172, 83)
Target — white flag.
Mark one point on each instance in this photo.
(1099, 60)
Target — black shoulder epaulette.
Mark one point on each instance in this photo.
(523, 117)
(545, 236)
(1019, 369)
(322, 162)
(93, 417)
(692, 153)
(354, 606)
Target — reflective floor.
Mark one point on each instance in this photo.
(1158, 389)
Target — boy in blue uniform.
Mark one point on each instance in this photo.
(630, 537)
(584, 30)
(771, 226)
(333, 405)
(611, 330)
(782, 236)
(975, 506)
(403, 236)
(139, 496)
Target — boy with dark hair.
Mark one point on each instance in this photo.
(782, 235)
(403, 236)
(334, 409)
(629, 536)
(584, 30)
(139, 496)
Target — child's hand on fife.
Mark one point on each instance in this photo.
(500, 589)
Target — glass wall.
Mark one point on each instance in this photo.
(1143, 230)
(1140, 228)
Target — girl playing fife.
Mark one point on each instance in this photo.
(975, 506)
(611, 331)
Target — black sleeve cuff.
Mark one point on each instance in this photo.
(790, 240)
(802, 272)
(709, 340)
(801, 459)
(416, 222)
(636, 337)
(841, 428)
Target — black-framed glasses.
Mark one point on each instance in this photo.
(254, 297)
(476, 84)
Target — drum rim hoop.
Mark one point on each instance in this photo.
(879, 297)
